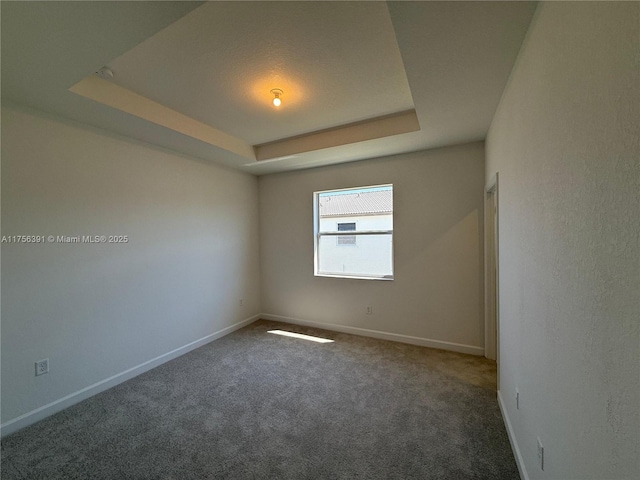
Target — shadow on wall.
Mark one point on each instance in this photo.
(438, 247)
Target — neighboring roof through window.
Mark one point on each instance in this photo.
(363, 203)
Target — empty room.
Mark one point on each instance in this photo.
(320, 240)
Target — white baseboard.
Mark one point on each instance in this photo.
(73, 398)
(395, 337)
(65, 402)
(512, 439)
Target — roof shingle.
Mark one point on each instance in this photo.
(363, 203)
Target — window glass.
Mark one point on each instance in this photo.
(367, 214)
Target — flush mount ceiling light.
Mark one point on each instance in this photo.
(276, 92)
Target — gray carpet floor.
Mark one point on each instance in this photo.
(254, 405)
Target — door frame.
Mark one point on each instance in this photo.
(491, 263)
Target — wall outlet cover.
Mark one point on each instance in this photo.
(42, 367)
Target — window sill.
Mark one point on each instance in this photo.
(356, 277)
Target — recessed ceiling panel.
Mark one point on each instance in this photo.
(195, 78)
(458, 56)
(337, 63)
(381, 127)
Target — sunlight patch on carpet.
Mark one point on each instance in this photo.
(301, 336)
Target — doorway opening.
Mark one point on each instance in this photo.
(491, 284)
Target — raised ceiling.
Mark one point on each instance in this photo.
(361, 79)
(218, 64)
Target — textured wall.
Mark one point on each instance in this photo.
(438, 215)
(565, 141)
(98, 310)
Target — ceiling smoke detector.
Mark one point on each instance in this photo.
(105, 73)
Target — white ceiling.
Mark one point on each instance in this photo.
(195, 78)
(218, 64)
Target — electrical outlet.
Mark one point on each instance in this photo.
(540, 453)
(517, 399)
(241, 302)
(42, 367)
(369, 310)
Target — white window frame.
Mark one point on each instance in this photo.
(317, 235)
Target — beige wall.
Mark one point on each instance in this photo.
(565, 141)
(98, 310)
(438, 214)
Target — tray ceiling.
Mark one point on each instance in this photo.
(360, 79)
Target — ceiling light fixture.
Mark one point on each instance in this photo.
(276, 92)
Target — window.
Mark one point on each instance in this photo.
(367, 214)
(346, 239)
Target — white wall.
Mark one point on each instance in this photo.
(565, 141)
(97, 310)
(438, 208)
